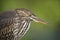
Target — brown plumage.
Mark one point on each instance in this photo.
(14, 24)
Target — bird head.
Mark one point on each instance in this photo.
(27, 14)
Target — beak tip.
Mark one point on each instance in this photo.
(45, 22)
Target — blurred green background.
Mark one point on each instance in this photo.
(49, 10)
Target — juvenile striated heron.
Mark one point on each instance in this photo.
(14, 24)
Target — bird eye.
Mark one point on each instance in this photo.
(29, 15)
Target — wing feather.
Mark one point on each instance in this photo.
(6, 20)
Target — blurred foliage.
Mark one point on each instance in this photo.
(45, 9)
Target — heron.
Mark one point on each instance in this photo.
(15, 23)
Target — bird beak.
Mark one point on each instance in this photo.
(38, 20)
